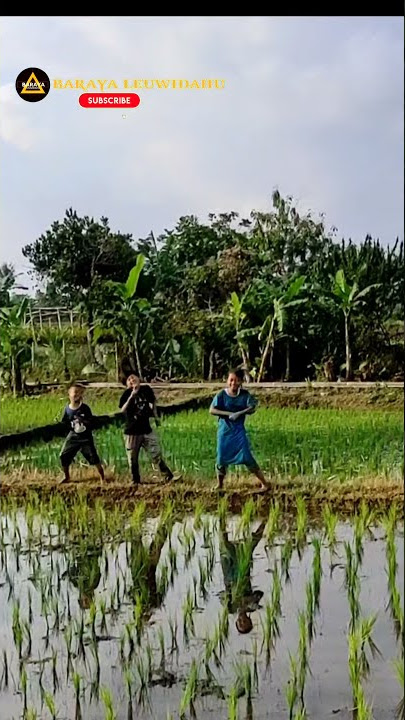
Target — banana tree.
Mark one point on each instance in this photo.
(348, 297)
(123, 319)
(274, 323)
(14, 341)
(238, 316)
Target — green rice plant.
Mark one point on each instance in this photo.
(23, 684)
(233, 704)
(316, 572)
(330, 521)
(273, 522)
(366, 626)
(271, 630)
(291, 689)
(301, 714)
(352, 584)
(30, 714)
(77, 684)
(286, 555)
(107, 701)
(203, 578)
(247, 517)
(399, 671)
(199, 511)
(190, 692)
(303, 664)
(50, 704)
(188, 612)
(310, 610)
(276, 591)
(302, 524)
(222, 512)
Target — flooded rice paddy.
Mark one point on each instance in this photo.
(112, 614)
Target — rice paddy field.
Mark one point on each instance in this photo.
(322, 445)
(174, 603)
(113, 614)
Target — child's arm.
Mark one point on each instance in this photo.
(215, 408)
(124, 407)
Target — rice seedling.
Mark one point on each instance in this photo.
(273, 522)
(50, 704)
(316, 572)
(301, 526)
(30, 714)
(107, 701)
(199, 511)
(291, 689)
(330, 520)
(23, 685)
(188, 613)
(190, 692)
(286, 555)
(271, 630)
(352, 584)
(366, 626)
(303, 665)
(247, 517)
(233, 704)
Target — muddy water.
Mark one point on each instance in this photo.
(327, 691)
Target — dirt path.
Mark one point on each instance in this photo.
(344, 499)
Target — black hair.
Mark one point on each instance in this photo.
(77, 385)
(240, 374)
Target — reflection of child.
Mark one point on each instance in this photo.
(78, 416)
(236, 561)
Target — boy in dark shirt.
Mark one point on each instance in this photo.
(78, 416)
(138, 405)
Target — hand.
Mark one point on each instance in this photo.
(234, 416)
(134, 392)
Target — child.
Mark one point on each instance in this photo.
(138, 405)
(231, 405)
(79, 418)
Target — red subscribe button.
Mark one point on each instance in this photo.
(93, 100)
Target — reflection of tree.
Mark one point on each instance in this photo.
(84, 571)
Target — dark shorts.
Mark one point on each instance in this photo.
(72, 446)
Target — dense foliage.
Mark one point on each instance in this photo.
(273, 292)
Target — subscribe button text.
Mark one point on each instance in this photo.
(94, 100)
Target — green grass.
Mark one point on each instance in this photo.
(322, 444)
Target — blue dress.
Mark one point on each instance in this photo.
(232, 440)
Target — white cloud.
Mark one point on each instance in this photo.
(311, 105)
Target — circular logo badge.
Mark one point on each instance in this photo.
(32, 84)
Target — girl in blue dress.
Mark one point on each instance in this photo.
(231, 405)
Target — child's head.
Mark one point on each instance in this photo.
(75, 393)
(243, 622)
(235, 379)
(133, 381)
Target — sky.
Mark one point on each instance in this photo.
(311, 106)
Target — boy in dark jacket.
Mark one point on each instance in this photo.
(79, 418)
(138, 404)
